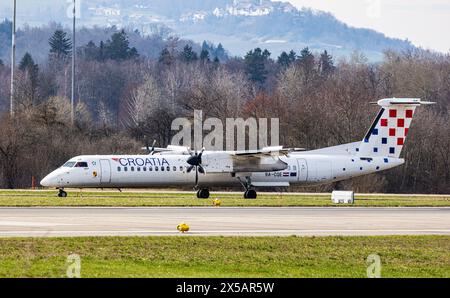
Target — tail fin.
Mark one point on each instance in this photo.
(388, 132)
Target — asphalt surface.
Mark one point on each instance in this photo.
(209, 221)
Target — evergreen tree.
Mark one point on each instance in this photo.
(6, 27)
(206, 46)
(91, 51)
(255, 62)
(283, 60)
(220, 52)
(165, 57)
(117, 48)
(188, 55)
(133, 53)
(27, 63)
(31, 71)
(216, 62)
(306, 59)
(326, 64)
(101, 51)
(204, 55)
(292, 56)
(60, 45)
(5, 36)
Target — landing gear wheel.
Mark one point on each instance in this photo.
(203, 193)
(62, 194)
(250, 194)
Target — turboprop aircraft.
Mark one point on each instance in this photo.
(269, 167)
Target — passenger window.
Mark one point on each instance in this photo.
(125, 169)
(138, 169)
(181, 168)
(162, 169)
(150, 169)
(118, 169)
(168, 169)
(174, 168)
(156, 169)
(144, 169)
(132, 169)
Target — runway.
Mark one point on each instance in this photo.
(209, 221)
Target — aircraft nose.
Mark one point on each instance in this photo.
(48, 181)
(45, 182)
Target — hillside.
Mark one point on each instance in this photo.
(239, 25)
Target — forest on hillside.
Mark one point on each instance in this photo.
(126, 96)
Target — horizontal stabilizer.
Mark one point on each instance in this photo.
(387, 102)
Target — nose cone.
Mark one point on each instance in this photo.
(45, 182)
(49, 180)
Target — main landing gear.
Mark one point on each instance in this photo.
(203, 193)
(62, 193)
(249, 193)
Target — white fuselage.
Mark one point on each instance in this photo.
(269, 167)
(142, 171)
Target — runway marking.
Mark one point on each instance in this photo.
(31, 224)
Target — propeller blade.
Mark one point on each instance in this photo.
(196, 177)
(200, 156)
(201, 170)
(153, 147)
(189, 169)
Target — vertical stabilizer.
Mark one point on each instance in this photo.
(387, 135)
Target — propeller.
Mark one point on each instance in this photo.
(195, 161)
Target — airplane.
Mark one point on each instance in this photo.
(268, 167)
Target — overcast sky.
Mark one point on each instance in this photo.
(424, 22)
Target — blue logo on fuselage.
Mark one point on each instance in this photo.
(141, 162)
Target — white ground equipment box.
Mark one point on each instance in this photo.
(343, 197)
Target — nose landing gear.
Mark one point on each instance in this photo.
(203, 193)
(62, 193)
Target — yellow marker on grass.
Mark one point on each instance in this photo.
(183, 228)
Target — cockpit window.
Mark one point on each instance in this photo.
(81, 164)
(69, 164)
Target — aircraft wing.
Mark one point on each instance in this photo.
(265, 151)
(264, 160)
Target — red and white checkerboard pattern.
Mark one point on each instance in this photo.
(389, 134)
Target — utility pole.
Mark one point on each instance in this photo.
(72, 98)
(13, 58)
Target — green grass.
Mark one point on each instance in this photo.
(115, 198)
(401, 256)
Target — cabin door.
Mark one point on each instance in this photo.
(105, 167)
